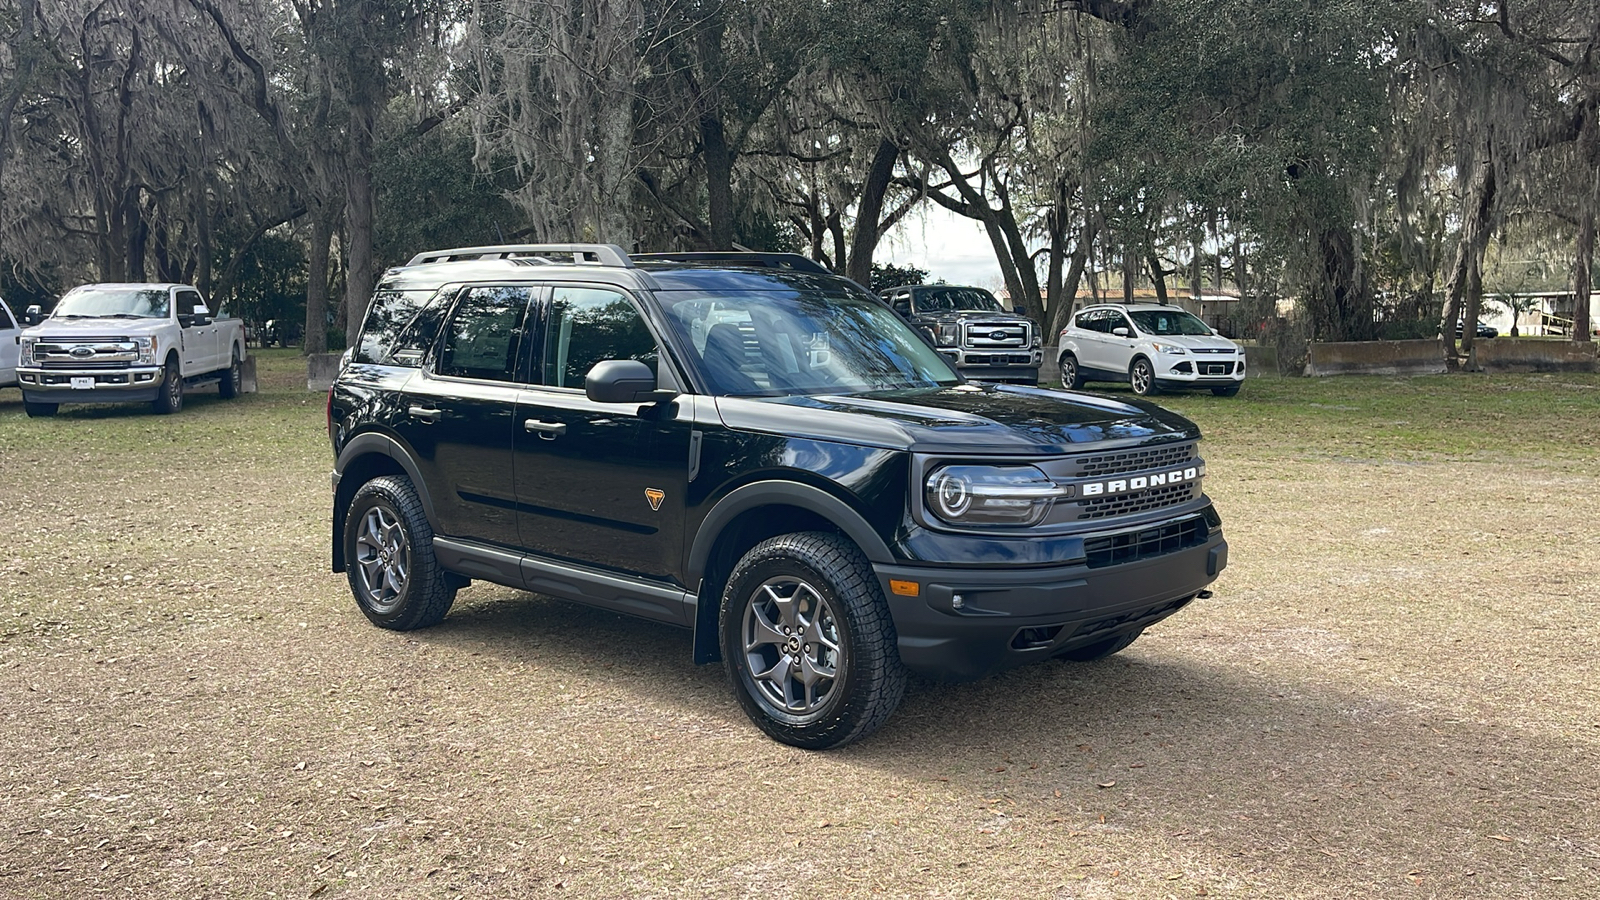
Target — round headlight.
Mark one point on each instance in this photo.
(952, 495)
(991, 495)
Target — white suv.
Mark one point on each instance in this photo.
(1150, 346)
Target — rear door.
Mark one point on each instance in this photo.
(1086, 331)
(456, 413)
(599, 483)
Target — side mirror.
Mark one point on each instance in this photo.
(620, 381)
(1019, 310)
(200, 316)
(1121, 331)
(33, 315)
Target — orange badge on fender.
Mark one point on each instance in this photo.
(655, 496)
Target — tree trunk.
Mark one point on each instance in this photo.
(719, 180)
(1158, 276)
(869, 212)
(1476, 227)
(1582, 277)
(360, 272)
(316, 337)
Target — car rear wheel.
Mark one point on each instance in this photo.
(1143, 377)
(1071, 378)
(388, 549)
(808, 642)
(233, 379)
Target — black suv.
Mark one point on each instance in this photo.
(752, 448)
(974, 332)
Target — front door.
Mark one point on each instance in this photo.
(599, 483)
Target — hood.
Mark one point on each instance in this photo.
(968, 418)
(969, 315)
(75, 329)
(1197, 341)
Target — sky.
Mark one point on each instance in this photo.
(951, 248)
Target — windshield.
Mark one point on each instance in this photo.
(784, 342)
(961, 298)
(137, 303)
(1168, 321)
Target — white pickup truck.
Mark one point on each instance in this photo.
(10, 346)
(127, 343)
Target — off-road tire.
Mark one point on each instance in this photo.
(233, 379)
(834, 599)
(170, 399)
(1071, 377)
(1103, 649)
(39, 410)
(1142, 376)
(388, 551)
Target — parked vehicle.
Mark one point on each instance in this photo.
(752, 448)
(1483, 331)
(970, 327)
(1151, 346)
(10, 345)
(127, 343)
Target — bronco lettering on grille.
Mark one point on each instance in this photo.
(1139, 483)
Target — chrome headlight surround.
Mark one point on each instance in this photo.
(991, 496)
(147, 350)
(947, 335)
(26, 356)
(1169, 349)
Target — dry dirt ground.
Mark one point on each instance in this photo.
(1392, 694)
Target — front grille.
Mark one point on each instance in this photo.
(980, 336)
(1132, 461)
(1211, 368)
(58, 363)
(1146, 543)
(998, 359)
(1122, 504)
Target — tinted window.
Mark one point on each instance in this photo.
(957, 298)
(1089, 320)
(5, 320)
(390, 317)
(1169, 321)
(484, 334)
(587, 326)
(830, 341)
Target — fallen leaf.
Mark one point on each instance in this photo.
(1106, 784)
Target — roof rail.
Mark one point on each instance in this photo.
(792, 261)
(581, 254)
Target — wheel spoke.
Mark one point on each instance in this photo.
(762, 632)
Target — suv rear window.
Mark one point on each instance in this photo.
(387, 322)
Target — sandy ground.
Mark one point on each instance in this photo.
(1393, 693)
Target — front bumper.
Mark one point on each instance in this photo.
(1198, 371)
(1018, 366)
(1008, 618)
(90, 385)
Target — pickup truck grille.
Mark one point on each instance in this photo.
(1002, 336)
(86, 353)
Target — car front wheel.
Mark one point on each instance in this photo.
(170, 400)
(1143, 377)
(808, 642)
(1071, 378)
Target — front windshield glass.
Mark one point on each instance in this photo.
(1168, 321)
(136, 303)
(958, 298)
(784, 342)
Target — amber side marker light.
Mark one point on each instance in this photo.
(905, 588)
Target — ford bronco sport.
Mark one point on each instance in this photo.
(749, 447)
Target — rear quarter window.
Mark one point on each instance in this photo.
(393, 328)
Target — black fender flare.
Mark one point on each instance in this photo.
(743, 499)
(364, 444)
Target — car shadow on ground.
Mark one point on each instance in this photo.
(1260, 763)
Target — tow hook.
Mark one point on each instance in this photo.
(1203, 595)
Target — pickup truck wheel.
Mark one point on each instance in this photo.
(1071, 378)
(388, 543)
(808, 642)
(170, 400)
(233, 379)
(1143, 377)
(1103, 649)
(39, 410)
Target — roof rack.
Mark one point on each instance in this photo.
(791, 261)
(580, 254)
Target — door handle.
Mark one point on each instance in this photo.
(547, 430)
(425, 414)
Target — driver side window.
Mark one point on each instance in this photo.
(588, 325)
